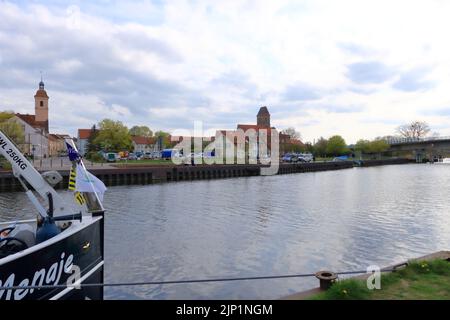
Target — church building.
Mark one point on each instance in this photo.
(35, 126)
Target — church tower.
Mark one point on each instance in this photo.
(41, 106)
(263, 117)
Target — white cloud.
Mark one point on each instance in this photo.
(169, 64)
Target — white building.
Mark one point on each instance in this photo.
(83, 140)
(35, 126)
(143, 144)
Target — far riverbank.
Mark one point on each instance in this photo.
(131, 175)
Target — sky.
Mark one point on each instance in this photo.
(351, 67)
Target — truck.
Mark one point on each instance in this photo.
(167, 153)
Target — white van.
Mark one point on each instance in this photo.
(306, 157)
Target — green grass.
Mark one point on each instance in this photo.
(419, 280)
(5, 166)
(144, 162)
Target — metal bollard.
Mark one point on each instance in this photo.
(326, 278)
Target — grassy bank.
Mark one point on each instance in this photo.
(419, 280)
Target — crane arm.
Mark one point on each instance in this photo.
(23, 169)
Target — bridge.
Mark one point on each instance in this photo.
(431, 148)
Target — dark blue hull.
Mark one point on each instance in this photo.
(54, 263)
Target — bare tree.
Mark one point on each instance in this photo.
(292, 133)
(415, 129)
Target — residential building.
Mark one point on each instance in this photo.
(83, 140)
(144, 144)
(57, 144)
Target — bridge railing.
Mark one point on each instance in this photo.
(393, 141)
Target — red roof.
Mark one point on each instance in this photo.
(55, 136)
(84, 133)
(255, 127)
(143, 140)
(31, 120)
(296, 142)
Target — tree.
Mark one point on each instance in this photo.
(113, 136)
(377, 146)
(292, 133)
(162, 134)
(309, 147)
(336, 146)
(362, 145)
(93, 147)
(165, 138)
(6, 115)
(415, 129)
(320, 147)
(142, 131)
(11, 128)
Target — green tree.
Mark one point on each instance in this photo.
(11, 128)
(142, 131)
(378, 146)
(336, 146)
(165, 136)
(113, 136)
(320, 147)
(162, 134)
(93, 147)
(309, 147)
(362, 145)
(6, 115)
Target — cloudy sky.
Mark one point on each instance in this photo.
(349, 67)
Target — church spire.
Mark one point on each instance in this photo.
(41, 84)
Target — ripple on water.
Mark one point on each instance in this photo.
(339, 220)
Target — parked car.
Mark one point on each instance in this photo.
(305, 157)
(156, 154)
(139, 154)
(148, 155)
(341, 158)
(111, 156)
(290, 158)
(132, 156)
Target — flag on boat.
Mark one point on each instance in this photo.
(87, 182)
(73, 154)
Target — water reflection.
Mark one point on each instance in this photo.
(340, 220)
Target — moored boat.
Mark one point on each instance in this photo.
(50, 256)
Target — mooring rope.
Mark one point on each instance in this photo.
(144, 283)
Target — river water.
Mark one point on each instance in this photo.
(298, 223)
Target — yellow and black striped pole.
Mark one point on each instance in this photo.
(72, 178)
(79, 198)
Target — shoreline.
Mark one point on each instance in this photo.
(142, 175)
(306, 294)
